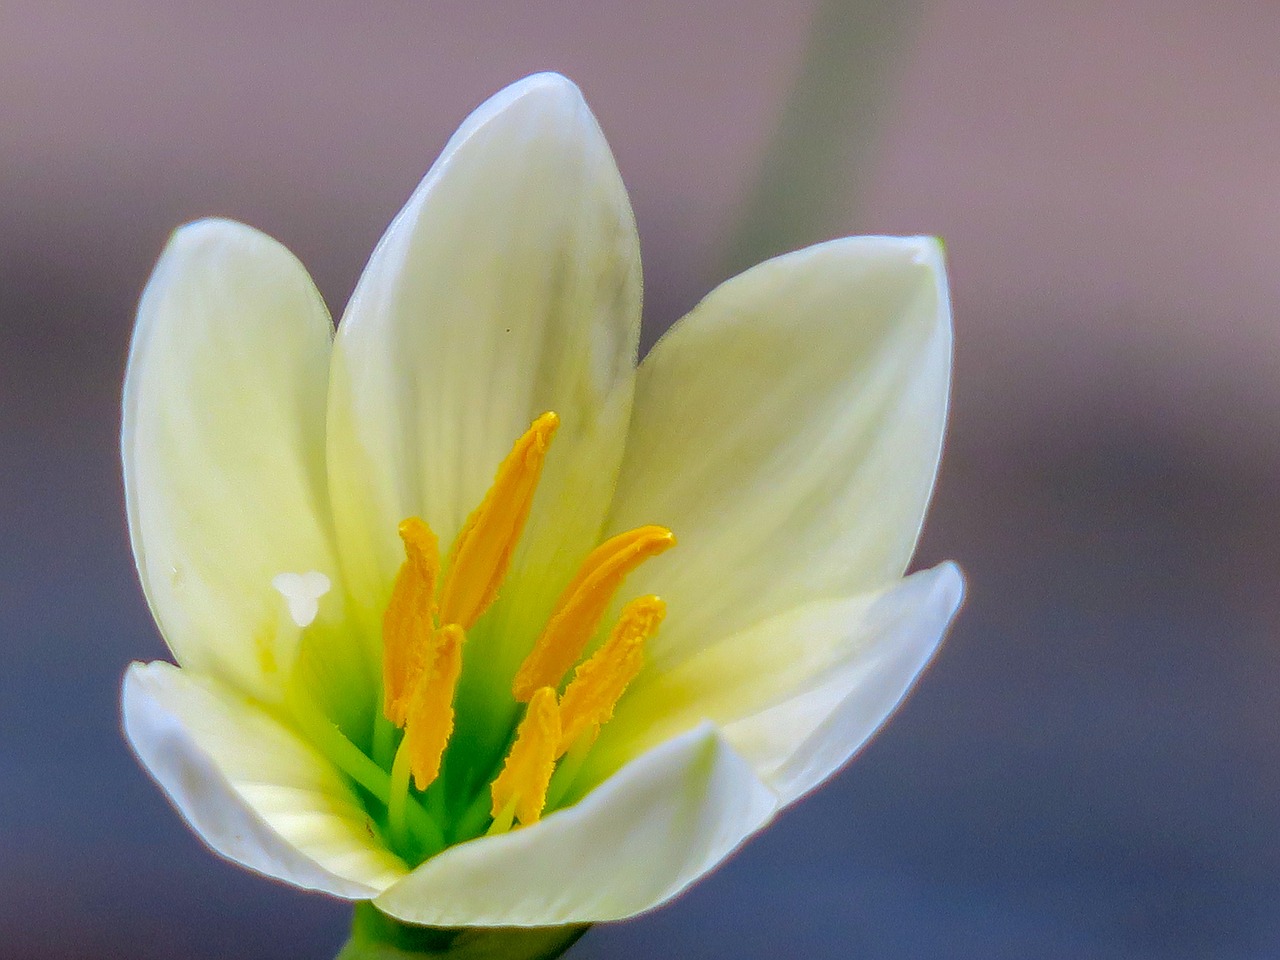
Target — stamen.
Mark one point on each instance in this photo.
(599, 683)
(422, 663)
(527, 771)
(578, 611)
(302, 593)
(407, 624)
(430, 715)
(483, 550)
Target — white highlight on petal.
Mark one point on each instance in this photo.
(253, 789)
(302, 592)
(630, 845)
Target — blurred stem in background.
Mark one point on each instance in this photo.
(815, 169)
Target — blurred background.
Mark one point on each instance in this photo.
(1089, 770)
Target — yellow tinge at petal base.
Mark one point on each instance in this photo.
(430, 714)
(483, 550)
(578, 611)
(598, 684)
(408, 623)
(521, 787)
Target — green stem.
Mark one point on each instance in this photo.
(384, 738)
(375, 936)
(567, 773)
(434, 798)
(502, 822)
(475, 819)
(816, 169)
(325, 736)
(397, 804)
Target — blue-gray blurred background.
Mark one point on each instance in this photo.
(1089, 770)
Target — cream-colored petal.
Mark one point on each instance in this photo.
(508, 286)
(631, 844)
(223, 447)
(788, 432)
(253, 790)
(798, 694)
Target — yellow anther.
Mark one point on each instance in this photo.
(599, 683)
(528, 768)
(407, 624)
(483, 550)
(578, 611)
(430, 713)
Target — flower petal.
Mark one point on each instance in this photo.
(788, 432)
(252, 790)
(223, 447)
(508, 286)
(631, 844)
(800, 693)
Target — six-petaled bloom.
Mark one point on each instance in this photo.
(434, 649)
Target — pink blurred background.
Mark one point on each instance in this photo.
(1089, 770)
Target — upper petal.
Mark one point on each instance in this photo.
(631, 844)
(788, 430)
(798, 694)
(251, 788)
(223, 447)
(508, 286)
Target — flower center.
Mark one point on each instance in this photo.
(424, 632)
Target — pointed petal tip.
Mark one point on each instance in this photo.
(207, 230)
(924, 250)
(929, 250)
(137, 688)
(213, 245)
(931, 253)
(138, 670)
(940, 588)
(945, 580)
(547, 85)
(551, 92)
(549, 80)
(951, 579)
(894, 251)
(943, 589)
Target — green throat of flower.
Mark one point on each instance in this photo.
(432, 607)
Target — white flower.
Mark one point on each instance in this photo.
(787, 431)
